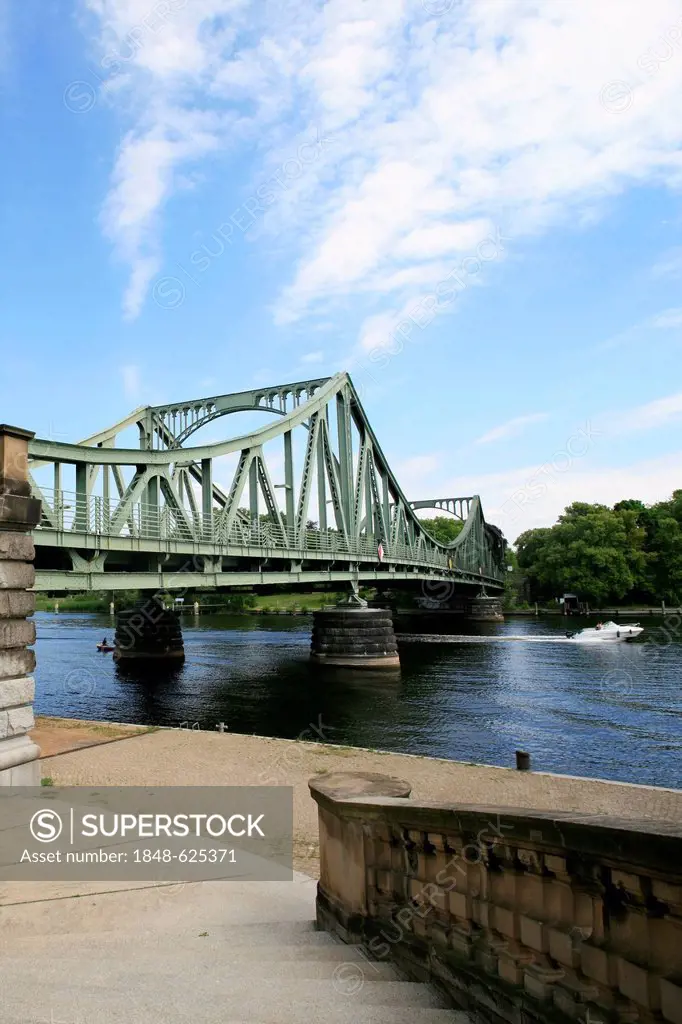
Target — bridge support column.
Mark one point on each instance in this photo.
(149, 632)
(350, 636)
(19, 513)
(485, 609)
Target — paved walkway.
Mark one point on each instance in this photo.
(185, 758)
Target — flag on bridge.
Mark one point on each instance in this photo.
(380, 552)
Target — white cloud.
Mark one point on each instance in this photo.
(313, 357)
(440, 239)
(652, 415)
(416, 473)
(142, 271)
(530, 496)
(649, 416)
(424, 276)
(512, 428)
(668, 319)
(377, 331)
(153, 59)
(497, 110)
(132, 383)
(670, 264)
(513, 505)
(493, 113)
(527, 497)
(141, 184)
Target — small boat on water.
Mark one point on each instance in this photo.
(607, 632)
(106, 648)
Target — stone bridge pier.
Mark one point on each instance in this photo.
(19, 514)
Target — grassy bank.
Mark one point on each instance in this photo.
(283, 604)
(597, 613)
(294, 602)
(230, 604)
(73, 603)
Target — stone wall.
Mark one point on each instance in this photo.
(519, 916)
(19, 513)
(486, 609)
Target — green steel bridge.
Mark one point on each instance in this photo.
(168, 516)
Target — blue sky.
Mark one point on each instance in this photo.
(474, 207)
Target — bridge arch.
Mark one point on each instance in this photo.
(175, 423)
(340, 512)
(458, 507)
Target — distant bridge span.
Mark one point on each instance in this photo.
(459, 507)
(155, 517)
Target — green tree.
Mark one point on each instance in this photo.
(443, 528)
(592, 550)
(662, 573)
(633, 515)
(532, 552)
(515, 581)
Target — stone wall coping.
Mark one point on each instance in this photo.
(372, 798)
(344, 786)
(18, 432)
(19, 512)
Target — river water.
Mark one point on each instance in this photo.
(607, 711)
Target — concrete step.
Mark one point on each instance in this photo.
(166, 908)
(178, 988)
(321, 948)
(264, 936)
(299, 1014)
(219, 953)
(216, 1008)
(192, 961)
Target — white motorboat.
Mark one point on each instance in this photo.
(607, 632)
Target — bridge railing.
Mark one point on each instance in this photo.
(68, 512)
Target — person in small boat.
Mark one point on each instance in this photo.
(105, 642)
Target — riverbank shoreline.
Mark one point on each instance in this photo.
(167, 757)
(57, 606)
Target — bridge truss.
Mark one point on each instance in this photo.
(309, 498)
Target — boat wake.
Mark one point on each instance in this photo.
(436, 638)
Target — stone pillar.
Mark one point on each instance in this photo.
(485, 609)
(149, 632)
(354, 637)
(19, 514)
